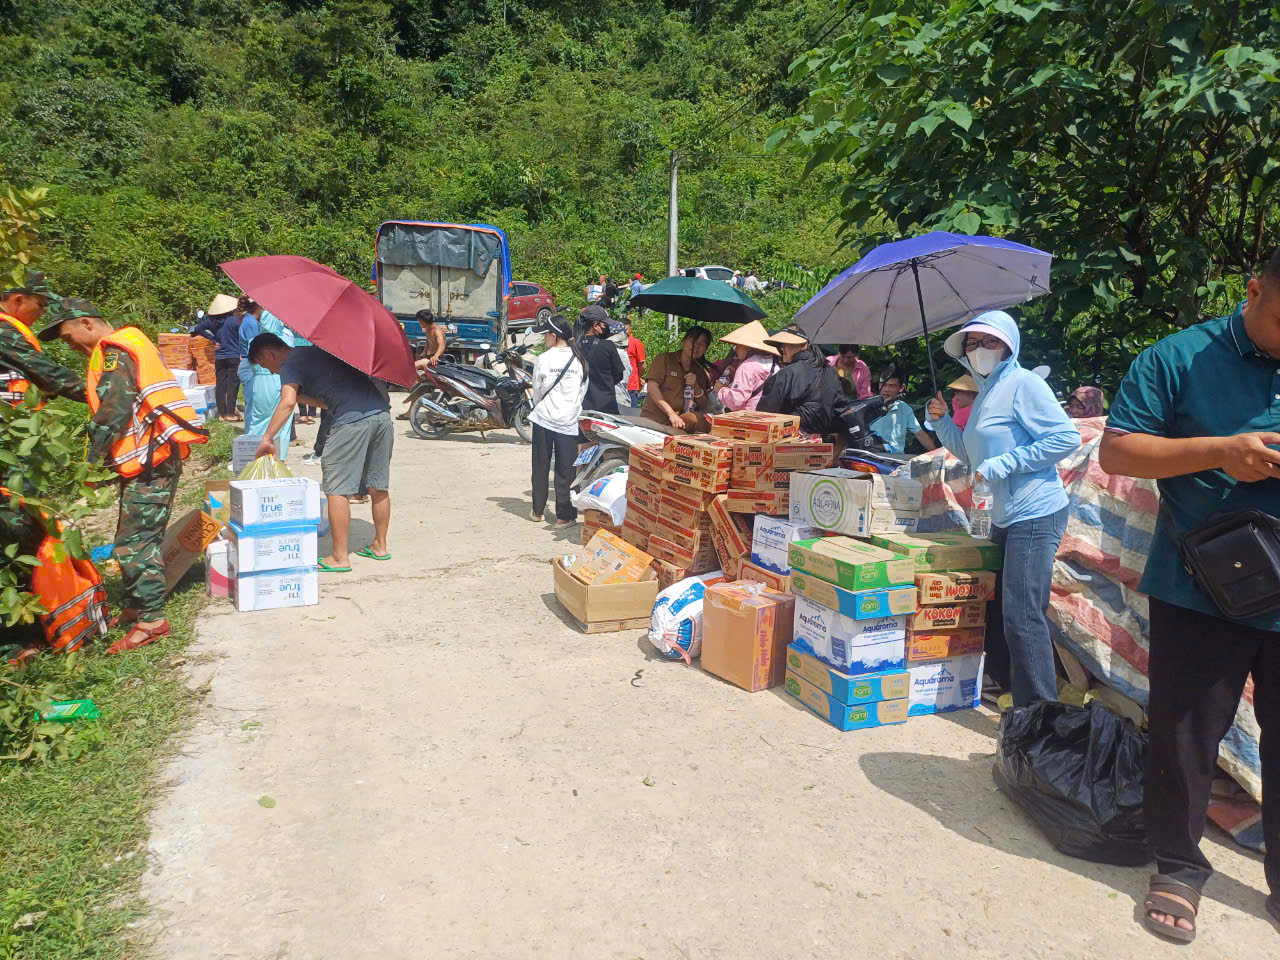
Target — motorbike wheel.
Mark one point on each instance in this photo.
(520, 420)
(611, 460)
(422, 425)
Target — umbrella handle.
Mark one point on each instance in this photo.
(928, 347)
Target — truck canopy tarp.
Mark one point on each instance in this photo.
(420, 245)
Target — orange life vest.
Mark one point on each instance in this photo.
(13, 385)
(163, 418)
(70, 590)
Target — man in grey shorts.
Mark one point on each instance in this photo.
(357, 453)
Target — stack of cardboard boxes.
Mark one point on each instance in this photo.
(955, 577)
(175, 350)
(202, 355)
(610, 586)
(272, 543)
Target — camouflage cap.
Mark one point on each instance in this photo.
(66, 308)
(35, 284)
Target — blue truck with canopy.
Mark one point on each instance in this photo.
(462, 272)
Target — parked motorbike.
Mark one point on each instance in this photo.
(612, 436)
(459, 398)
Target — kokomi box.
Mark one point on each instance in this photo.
(771, 541)
(845, 687)
(955, 587)
(691, 538)
(262, 503)
(764, 481)
(714, 480)
(745, 632)
(753, 425)
(639, 517)
(940, 686)
(950, 616)
(687, 508)
(852, 646)
(845, 716)
(752, 459)
(642, 496)
(776, 502)
(649, 484)
(859, 605)
(943, 552)
(701, 450)
(736, 529)
(938, 644)
(282, 548)
(647, 458)
(850, 563)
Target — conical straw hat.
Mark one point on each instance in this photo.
(751, 335)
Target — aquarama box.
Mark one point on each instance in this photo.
(848, 688)
(940, 686)
(771, 541)
(851, 646)
(264, 503)
(842, 715)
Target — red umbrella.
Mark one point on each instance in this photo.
(331, 311)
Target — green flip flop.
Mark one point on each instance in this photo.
(325, 568)
(368, 552)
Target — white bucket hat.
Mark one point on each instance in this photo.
(954, 344)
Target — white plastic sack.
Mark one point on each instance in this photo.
(675, 627)
(608, 494)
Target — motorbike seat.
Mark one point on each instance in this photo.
(474, 377)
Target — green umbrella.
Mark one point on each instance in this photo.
(707, 301)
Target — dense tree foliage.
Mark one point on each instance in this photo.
(1134, 139)
(175, 134)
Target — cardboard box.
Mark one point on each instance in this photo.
(848, 688)
(261, 504)
(217, 500)
(184, 541)
(284, 548)
(608, 559)
(938, 644)
(841, 715)
(941, 686)
(745, 632)
(691, 538)
(668, 573)
(766, 481)
(273, 589)
(852, 646)
(640, 480)
(730, 562)
(186, 379)
(736, 529)
(647, 459)
(752, 459)
(778, 582)
(943, 552)
(850, 563)
(696, 478)
(753, 425)
(217, 576)
(593, 521)
(950, 616)
(861, 604)
(687, 508)
(776, 503)
(955, 587)
(603, 603)
(642, 496)
(701, 450)
(640, 518)
(859, 504)
(633, 535)
(771, 541)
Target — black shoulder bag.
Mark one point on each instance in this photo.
(1235, 557)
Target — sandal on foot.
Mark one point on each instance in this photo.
(126, 616)
(325, 568)
(368, 552)
(139, 637)
(1159, 901)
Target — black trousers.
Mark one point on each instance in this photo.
(322, 432)
(226, 384)
(1198, 666)
(565, 448)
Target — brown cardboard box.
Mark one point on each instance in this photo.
(701, 450)
(753, 425)
(640, 480)
(735, 529)
(647, 459)
(695, 478)
(608, 559)
(640, 518)
(764, 481)
(778, 582)
(745, 633)
(668, 573)
(688, 508)
(730, 562)
(601, 608)
(694, 561)
(949, 616)
(184, 541)
(937, 644)
(691, 538)
(641, 496)
(594, 521)
(798, 453)
(956, 587)
(635, 536)
(775, 503)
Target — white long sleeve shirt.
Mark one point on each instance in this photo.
(557, 408)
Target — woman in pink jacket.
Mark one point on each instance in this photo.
(757, 362)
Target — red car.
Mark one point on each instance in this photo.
(529, 302)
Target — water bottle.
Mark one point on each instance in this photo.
(688, 398)
(980, 512)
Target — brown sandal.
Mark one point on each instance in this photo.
(144, 636)
(1160, 901)
(126, 615)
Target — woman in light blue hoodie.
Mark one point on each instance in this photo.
(1016, 433)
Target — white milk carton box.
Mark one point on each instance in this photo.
(851, 646)
(855, 503)
(272, 589)
(262, 504)
(187, 379)
(771, 540)
(940, 686)
(284, 548)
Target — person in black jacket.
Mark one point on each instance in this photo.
(806, 385)
(604, 366)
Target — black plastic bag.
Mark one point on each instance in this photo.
(1077, 772)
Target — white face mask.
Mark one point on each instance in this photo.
(984, 360)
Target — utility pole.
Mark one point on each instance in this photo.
(673, 228)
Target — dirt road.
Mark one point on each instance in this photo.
(456, 772)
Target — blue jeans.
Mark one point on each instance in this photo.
(1019, 651)
(635, 397)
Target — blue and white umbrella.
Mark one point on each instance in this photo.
(902, 289)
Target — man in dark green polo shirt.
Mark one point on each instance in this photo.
(1200, 412)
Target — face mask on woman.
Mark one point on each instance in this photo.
(984, 360)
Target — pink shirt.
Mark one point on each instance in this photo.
(743, 394)
(861, 375)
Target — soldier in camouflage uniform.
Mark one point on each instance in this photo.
(146, 500)
(19, 359)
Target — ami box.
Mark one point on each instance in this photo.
(842, 715)
(940, 644)
(847, 688)
(850, 563)
(859, 604)
(942, 552)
